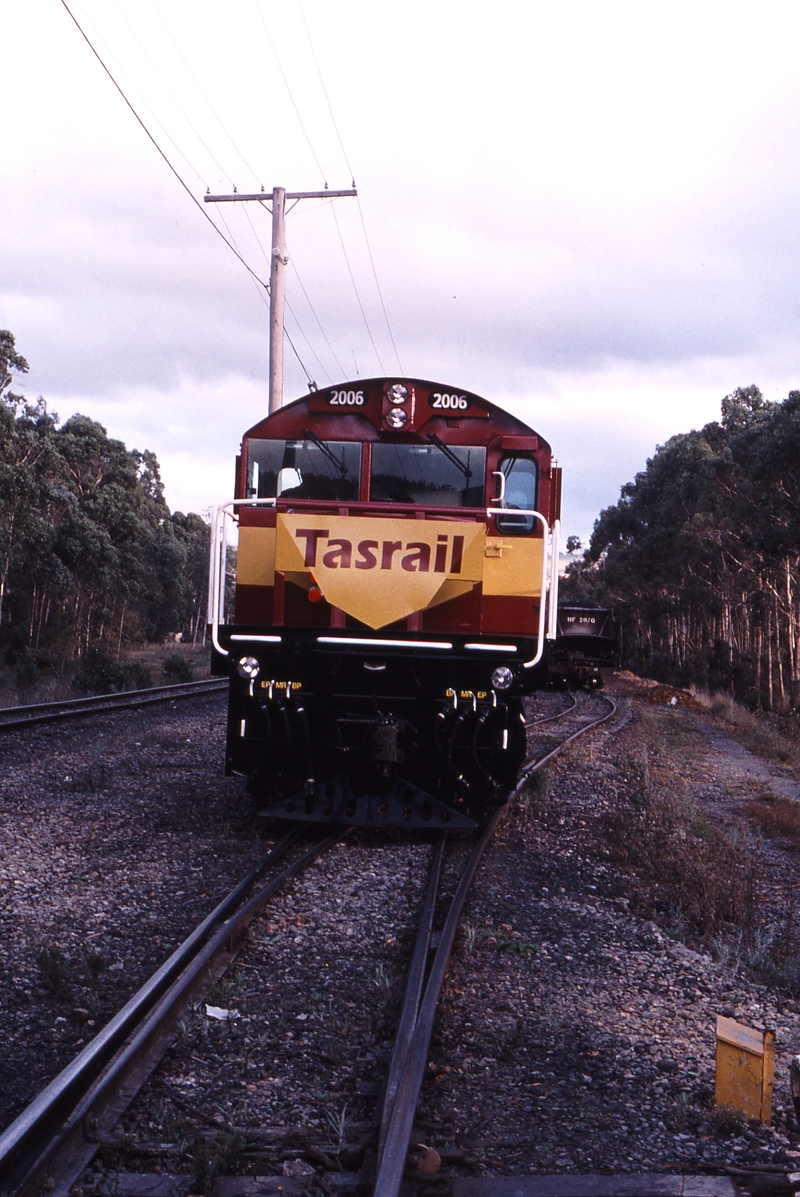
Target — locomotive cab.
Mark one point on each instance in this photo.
(396, 546)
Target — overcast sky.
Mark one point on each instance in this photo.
(586, 212)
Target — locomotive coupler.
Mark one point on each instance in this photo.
(385, 743)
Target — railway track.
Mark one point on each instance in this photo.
(424, 986)
(48, 1148)
(55, 1138)
(49, 712)
(553, 718)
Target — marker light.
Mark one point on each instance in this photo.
(396, 418)
(397, 393)
(248, 668)
(502, 678)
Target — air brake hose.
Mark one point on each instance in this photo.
(267, 723)
(480, 723)
(287, 727)
(305, 730)
(451, 742)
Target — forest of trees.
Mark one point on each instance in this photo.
(90, 554)
(700, 556)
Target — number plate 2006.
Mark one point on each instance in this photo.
(450, 401)
(347, 398)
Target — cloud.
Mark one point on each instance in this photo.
(587, 213)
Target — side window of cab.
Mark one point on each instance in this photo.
(519, 479)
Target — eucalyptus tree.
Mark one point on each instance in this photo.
(701, 553)
(89, 551)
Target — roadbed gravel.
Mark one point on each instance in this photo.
(117, 834)
(577, 1029)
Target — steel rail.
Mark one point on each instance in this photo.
(410, 1055)
(410, 1066)
(533, 765)
(45, 712)
(416, 977)
(553, 718)
(39, 1115)
(53, 1131)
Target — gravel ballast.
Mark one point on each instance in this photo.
(117, 834)
(576, 1031)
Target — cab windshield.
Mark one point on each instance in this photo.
(519, 492)
(433, 475)
(304, 469)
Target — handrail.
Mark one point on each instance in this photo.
(217, 564)
(552, 628)
(546, 540)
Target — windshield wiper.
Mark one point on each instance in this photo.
(309, 435)
(448, 452)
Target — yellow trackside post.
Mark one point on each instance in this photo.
(745, 1069)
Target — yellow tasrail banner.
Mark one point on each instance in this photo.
(380, 570)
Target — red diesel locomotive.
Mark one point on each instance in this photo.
(395, 584)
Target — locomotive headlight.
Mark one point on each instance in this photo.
(396, 418)
(248, 668)
(397, 393)
(502, 677)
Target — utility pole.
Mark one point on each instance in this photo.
(277, 298)
(277, 273)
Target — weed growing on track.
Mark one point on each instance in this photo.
(698, 873)
(96, 963)
(53, 969)
(728, 1121)
(386, 994)
(534, 797)
(776, 817)
(334, 1051)
(381, 981)
(685, 1112)
(766, 950)
(337, 1121)
(211, 1159)
(471, 935)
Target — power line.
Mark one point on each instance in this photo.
(172, 95)
(316, 317)
(265, 287)
(289, 90)
(230, 243)
(352, 176)
(277, 274)
(378, 286)
(322, 172)
(261, 290)
(142, 100)
(355, 288)
(258, 239)
(325, 92)
(202, 91)
(303, 334)
(159, 150)
(293, 348)
(289, 306)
